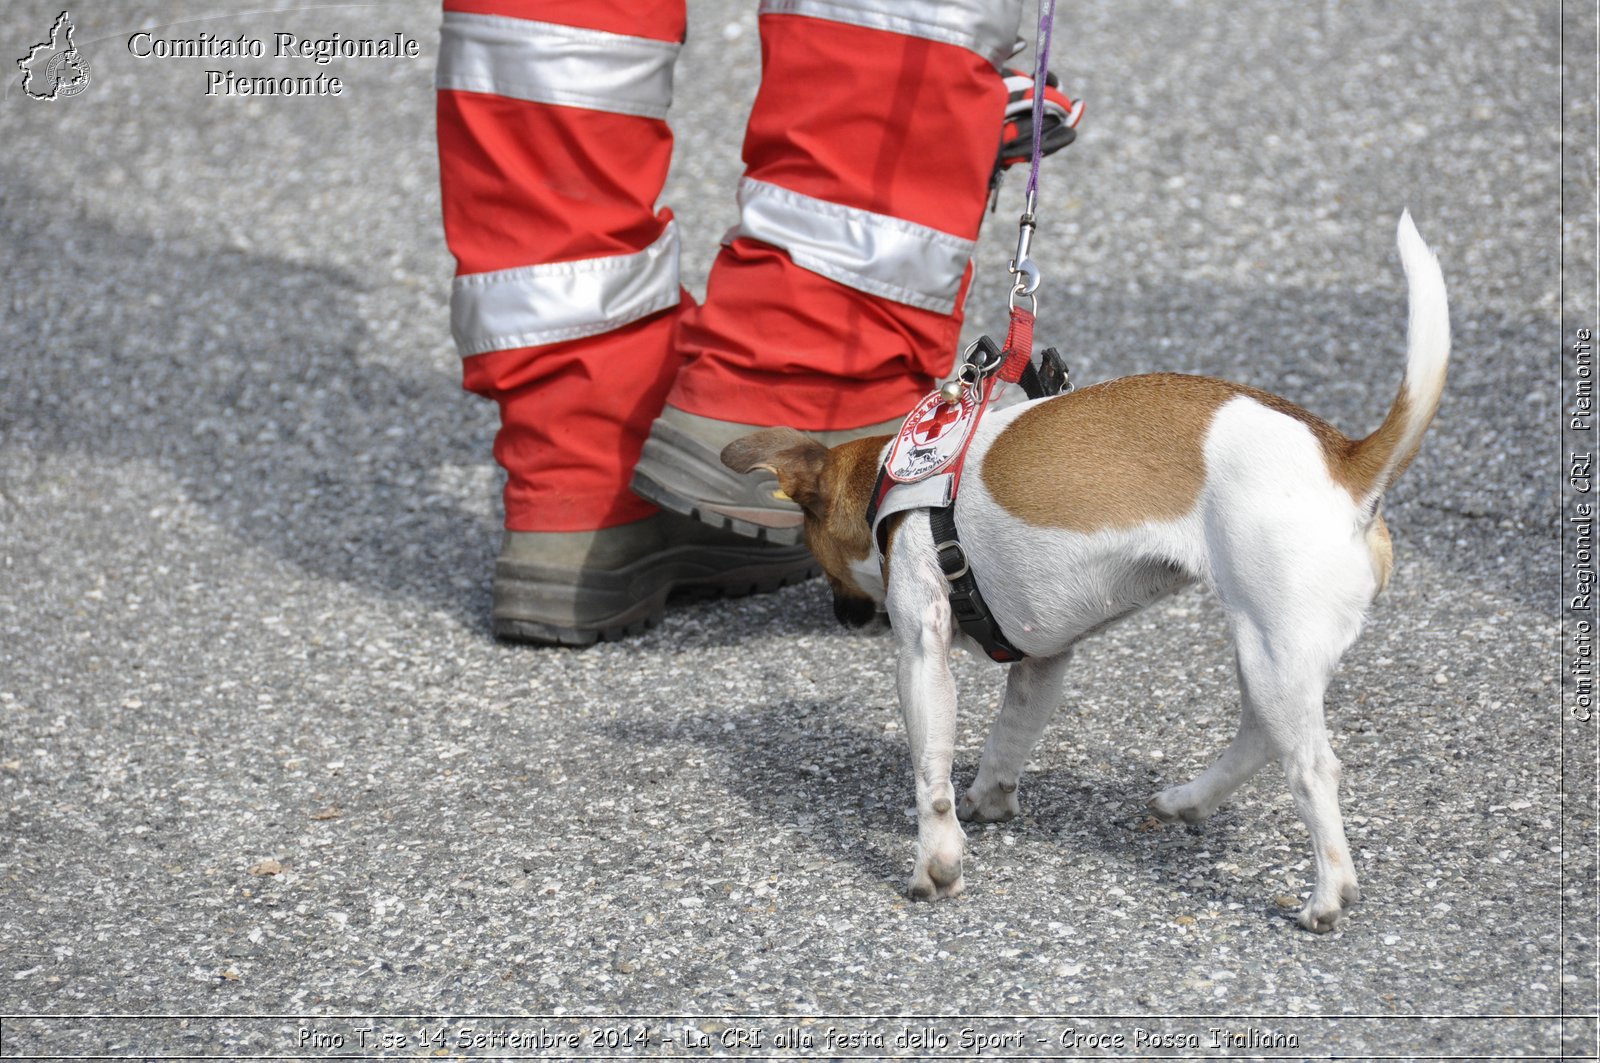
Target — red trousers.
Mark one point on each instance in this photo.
(836, 304)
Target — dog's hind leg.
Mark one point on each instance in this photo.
(1033, 693)
(1284, 680)
(1194, 801)
(1287, 551)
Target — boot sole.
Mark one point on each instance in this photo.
(543, 606)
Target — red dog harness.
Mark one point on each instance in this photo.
(923, 467)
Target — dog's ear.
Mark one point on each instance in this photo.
(797, 460)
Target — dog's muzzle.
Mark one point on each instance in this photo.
(852, 611)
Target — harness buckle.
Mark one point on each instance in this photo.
(966, 609)
(950, 566)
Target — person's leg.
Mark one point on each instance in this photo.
(554, 147)
(836, 304)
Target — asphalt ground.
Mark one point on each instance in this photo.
(261, 756)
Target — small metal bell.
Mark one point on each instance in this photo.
(951, 392)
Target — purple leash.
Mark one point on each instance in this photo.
(1022, 266)
(1041, 70)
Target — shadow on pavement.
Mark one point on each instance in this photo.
(813, 768)
(251, 381)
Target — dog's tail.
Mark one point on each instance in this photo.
(1377, 461)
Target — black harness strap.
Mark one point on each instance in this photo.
(1048, 379)
(966, 601)
(880, 487)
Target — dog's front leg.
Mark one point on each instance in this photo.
(928, 699)
(924, 629)
(1033, 693)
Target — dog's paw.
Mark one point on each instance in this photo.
(1322, 914)
(996, 804)
(936, 878)
(1320, 920)
(1172, 805)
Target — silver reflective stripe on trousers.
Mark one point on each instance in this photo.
(988, 27)
(562, 65)
(533, 305)
(873, 253)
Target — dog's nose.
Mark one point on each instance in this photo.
(852, 611)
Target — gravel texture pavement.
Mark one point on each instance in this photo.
(259, 755)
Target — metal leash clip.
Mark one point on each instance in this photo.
(1022, 265)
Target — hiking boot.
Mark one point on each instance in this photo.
(578, 588)
(681, 470)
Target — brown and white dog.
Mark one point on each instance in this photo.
(1077, 510)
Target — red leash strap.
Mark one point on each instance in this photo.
(1019, 345)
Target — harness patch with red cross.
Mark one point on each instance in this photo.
(932, 436)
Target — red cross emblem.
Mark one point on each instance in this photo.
(935, 424)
